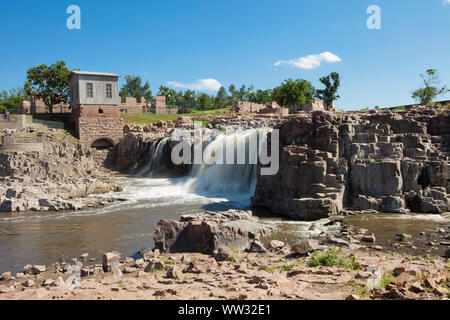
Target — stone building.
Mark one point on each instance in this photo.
(95, 108)
(131, 105)
(38, 106)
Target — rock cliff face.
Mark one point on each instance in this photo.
(57, 178)
(383, 161)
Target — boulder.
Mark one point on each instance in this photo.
(305, 247)
(110, 259)
(208, 232)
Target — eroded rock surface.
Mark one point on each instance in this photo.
(382, 161)
(209, 231)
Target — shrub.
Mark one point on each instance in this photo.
(332, 257)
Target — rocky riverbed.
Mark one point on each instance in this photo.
(237, 262)
(60, 177)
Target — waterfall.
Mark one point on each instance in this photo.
(154, 158)
(218, 179)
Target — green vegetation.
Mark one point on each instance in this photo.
(134, 88)
(332, 257)
(269, 269)
(10, 100)
(292, 92)
(332, 83)
(234, 250)
(430, 90)
(49, 83)
(148, 118)
(387, 279)
(401, 108)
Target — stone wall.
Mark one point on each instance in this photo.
(92, 129)
(14, 124)
(317, 105)
(132, 106)
(38, 106)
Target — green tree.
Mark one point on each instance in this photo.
(205, 102)
(234, 96)
(263, 96)
(292, 92)
(242, 93)
(134, 88)
(332, 83)
(11, 99)
(431, 90)
(221, 98)
(169, 93)
(49, 83)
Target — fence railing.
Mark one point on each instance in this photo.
(50, 124)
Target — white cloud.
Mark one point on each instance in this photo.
(311, 61)
(201, 84)
(446, 2)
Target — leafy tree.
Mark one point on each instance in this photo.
(332, 83)
(234, 96)
(221, 98)
(205, 102)
(134, 88)
(242, 94)
(263, 96)
(170, 94)
(12, 99)
(428, 93)
(292, 92)
(49, 83)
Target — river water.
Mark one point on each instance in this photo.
(128, 224)
(125, 226)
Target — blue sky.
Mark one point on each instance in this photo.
(182, 42)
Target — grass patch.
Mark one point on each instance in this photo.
(387, 279)
(289, 267)
(401, 108)
(234, 250)
(269, 269)
(148, 118)
(333, 257)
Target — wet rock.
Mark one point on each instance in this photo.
(370, 238)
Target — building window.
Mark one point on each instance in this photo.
(90, 90)
(108, 91)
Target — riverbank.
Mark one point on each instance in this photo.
(243, 276)
(241, 261)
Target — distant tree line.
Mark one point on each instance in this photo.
(51, 84)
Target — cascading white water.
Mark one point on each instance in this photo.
(222, 179)
(154, 156)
